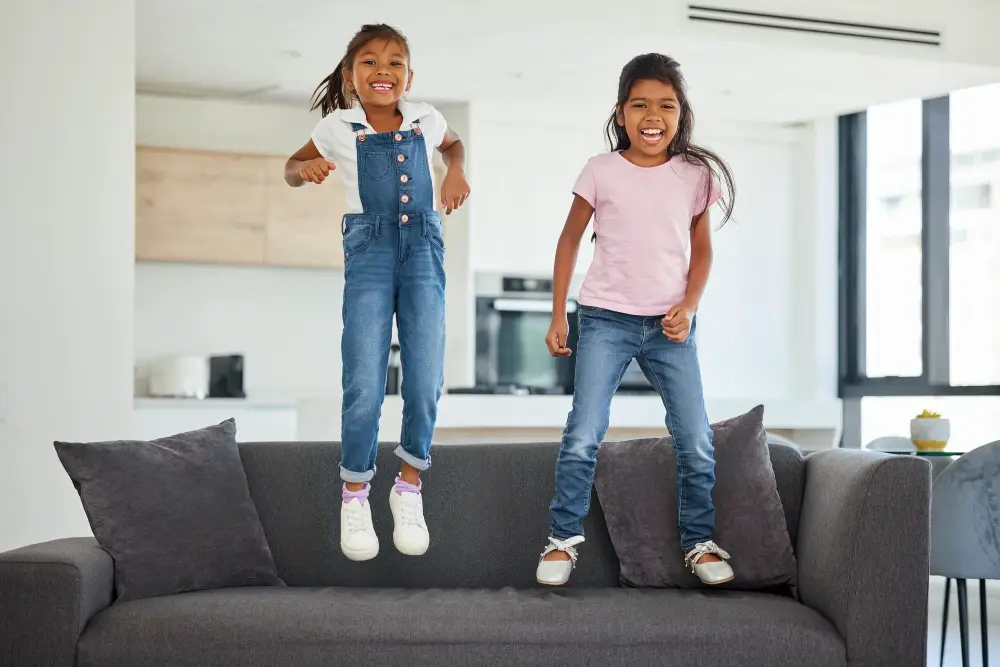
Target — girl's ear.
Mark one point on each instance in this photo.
(619, 116)
(348, 81)
(409, 82)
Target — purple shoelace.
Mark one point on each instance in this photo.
(406, 487)
(361, 495)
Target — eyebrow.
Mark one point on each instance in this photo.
(662, 99)
(372, 53)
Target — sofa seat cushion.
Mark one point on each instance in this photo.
(305, 627)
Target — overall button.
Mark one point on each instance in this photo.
(404, 178)
(404, 198)
(399, 137)
(400, 158)
(404, 218)
(416, 130)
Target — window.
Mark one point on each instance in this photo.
(974, 286)
(892, 230)
(920, 264)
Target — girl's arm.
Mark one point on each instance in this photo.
(454, 188)
(701, 261)
(677, 322)
(307, 165)
(566, 251)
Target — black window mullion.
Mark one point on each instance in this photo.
(936, 240)
(853, 168)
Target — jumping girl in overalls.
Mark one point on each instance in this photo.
(394, 265)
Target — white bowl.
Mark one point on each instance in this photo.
(927, 433)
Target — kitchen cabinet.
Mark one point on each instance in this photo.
(195, 206)
(303, 224)
(208, 207)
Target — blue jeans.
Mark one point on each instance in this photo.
(393, 265)
(607, 343)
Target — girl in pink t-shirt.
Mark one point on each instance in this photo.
(650, 198)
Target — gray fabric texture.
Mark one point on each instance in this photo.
(277, 627)
(862, 551)
(486, 509)
(174, 513)
(48, 593)
(636, 482)
(965, 516)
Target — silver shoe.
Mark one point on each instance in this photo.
(556, 572)
(713, 573)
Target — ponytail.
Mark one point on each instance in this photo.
(331, 94)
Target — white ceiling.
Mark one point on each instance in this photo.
(556, 55)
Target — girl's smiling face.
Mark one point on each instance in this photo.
(650, 116)
(380, 73)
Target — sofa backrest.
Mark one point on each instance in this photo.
(486, 508)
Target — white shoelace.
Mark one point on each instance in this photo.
(356, 517)
(703, 548)
(566, 546)
(411, 510)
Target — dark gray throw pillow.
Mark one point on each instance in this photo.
(636, 482)
(174, 513)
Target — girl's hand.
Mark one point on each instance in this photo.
(315, 171)
(454, 190)
(676, 323)
(557, 336)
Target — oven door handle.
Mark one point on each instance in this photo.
(529, 306)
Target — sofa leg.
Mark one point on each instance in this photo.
(963, 619)
(944, 617)
(984, 627)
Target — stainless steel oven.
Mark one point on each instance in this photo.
(513, 315)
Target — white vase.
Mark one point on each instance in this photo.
(929, 433)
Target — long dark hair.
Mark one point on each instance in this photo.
(667, 70)
(330, 94)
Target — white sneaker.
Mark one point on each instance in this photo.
(556, 572)
(358, 540)
(710, 573)
(410, 533)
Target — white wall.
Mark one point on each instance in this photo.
(286, 321)
(66, 246)
(768, 324)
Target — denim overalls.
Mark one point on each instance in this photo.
(394, 265)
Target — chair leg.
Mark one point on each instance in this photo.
(944, 617)
(983, 625)
(963, 619)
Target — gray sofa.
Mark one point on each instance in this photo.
(858, 519)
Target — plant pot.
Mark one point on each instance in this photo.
(930, 434)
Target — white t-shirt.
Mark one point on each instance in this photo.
(336, 140)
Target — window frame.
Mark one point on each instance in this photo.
(935, 193)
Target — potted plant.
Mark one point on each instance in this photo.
(929, 431)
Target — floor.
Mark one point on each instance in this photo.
(953, 653)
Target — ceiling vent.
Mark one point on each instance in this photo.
(791, 23)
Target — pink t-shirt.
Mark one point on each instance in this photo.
(642, 217)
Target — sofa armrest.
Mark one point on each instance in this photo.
(863, 552)
(48, 593)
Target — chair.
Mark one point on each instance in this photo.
(965, 534)
(892, 443)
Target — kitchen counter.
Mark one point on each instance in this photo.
(156, 402)
(505, 418)
(258, 418)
